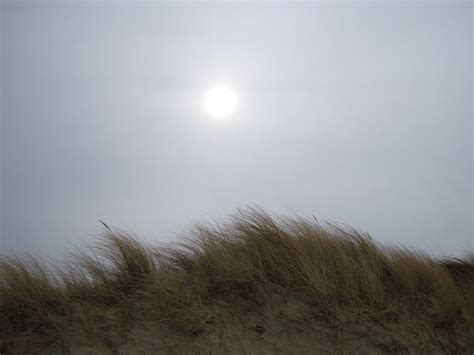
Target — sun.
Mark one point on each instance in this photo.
(220, 101)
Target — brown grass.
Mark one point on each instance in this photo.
(122, 291)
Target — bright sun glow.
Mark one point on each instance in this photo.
(220, 101)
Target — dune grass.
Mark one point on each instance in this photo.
(100, 296)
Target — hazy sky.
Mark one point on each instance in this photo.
(353, 112)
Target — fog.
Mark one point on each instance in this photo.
(354, 112)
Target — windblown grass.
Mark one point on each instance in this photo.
(104, 296)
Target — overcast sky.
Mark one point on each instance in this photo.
(354, 112)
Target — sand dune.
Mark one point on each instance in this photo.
(258, 284)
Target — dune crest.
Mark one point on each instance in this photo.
(256, 284)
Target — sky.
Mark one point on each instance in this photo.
(354, 112)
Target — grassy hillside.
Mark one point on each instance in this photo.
(257, 284)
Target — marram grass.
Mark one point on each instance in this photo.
(256, 284)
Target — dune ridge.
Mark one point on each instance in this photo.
(256, 284)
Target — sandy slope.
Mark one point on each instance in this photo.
(285, 326)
